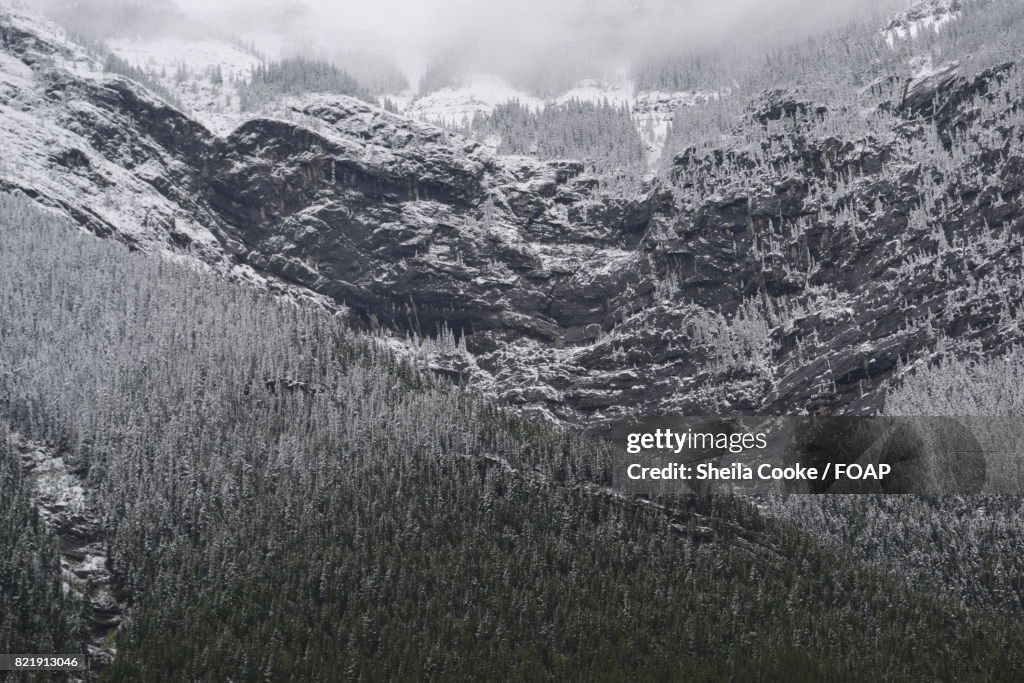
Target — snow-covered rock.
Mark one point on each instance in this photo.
(203, 73)
(653, 111)
(922, 16)
(66, 510)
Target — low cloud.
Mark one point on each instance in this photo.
(520, 34)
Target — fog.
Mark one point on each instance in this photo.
(498, 35)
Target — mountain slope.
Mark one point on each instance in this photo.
(285, 499)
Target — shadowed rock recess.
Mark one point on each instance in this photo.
(803, 272)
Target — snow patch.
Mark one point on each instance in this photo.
(618, 93)
(202, 73)
(54, 43)
(195, 55)
(653, 111)
(479, 93)
(14, 74)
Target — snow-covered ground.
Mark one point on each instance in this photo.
(620, 91)
(201, 72)
(653, 111)
(167, 54)
(478, 93)
(32, 144)
(481, 93)
(69, 55)
(46, 151)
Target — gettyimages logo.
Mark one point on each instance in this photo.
(919, 455)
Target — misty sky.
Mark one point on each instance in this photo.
(503, 36)
(486, 33)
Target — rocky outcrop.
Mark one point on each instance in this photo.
(65, 508)
(922, 15)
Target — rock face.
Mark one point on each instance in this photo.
(65, 508)
(922, 16)
(786, 266)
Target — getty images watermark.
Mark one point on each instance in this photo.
(811, 454)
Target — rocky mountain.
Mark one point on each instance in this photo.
(794, 264)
